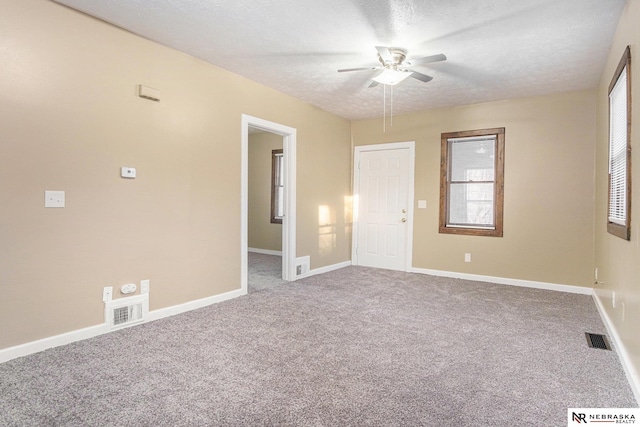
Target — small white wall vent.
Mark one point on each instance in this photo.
(126, 311)
(148, 93)
(302, 265)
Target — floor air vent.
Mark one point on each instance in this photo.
(597, 341)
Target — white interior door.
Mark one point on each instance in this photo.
(384, 187)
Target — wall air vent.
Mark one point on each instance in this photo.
(126, 311)
(149, 93)
(302, 265)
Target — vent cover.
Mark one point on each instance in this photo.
(129, 313)
(597, 341)
(148, 93)
(302, 265)
(126, 311)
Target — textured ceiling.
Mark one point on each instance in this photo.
(496, 49)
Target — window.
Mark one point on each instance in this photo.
(619, 209)
(471, 182)
(277, 187)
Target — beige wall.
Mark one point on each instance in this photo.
(262, 233)
(548, 202)
(617, 260)
(69, 119)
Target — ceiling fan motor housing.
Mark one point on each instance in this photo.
(396, 54)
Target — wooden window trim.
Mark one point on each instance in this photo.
(622, 231)
(274, 160)
(445, 165)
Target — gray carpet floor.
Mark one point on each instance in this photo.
(353, 347)
(265, 271)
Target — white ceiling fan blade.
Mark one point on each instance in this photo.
(428, 59)
(344, 70)
(420, 76)
(385, 53)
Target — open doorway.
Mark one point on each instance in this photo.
(251, 126)
(265, 209)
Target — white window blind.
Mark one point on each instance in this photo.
(618, 151)
(279, 186)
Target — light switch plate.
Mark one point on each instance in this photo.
(107, 293)
(144, 286)
(54, 199)
(422, 204)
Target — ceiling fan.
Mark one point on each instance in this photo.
(394, 68)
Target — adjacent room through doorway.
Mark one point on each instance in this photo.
(268, 194)
(265, 209)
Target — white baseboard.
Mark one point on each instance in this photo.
(506, 281)
(26, 349)
(193, 305)
(325, 269)
(265, 251)
(623, 354)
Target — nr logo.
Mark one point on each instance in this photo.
(579, 418)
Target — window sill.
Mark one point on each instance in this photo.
(471, 231)
(617, 230)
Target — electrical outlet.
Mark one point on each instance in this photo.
(107, 294)
(127, 172)
(144, 286)
(467, 257)
(54, 199)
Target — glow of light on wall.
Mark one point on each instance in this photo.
(348, 209)
(354, 208)
(324, 215)
(326, 230)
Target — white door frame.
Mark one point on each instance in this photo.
(358, 150)
(289, 218)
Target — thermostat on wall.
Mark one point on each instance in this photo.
(128, 289)
(127, 172)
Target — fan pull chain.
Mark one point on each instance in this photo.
(384, 108)
(391, 115)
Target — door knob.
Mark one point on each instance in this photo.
(404, 219)
(404, 211)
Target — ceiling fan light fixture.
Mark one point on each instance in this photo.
(391, 77)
